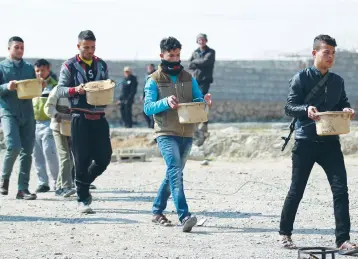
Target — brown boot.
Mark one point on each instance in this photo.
(4, 187)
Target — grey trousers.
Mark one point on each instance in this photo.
(64, 179)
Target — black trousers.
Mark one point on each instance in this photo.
(329, 156)
(204, 87)
(92, 151)
(126, 113)
(149, 120)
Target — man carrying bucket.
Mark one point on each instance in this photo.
(45, 154)
(309, 148)
(17, 119)
(58, 110)
(90, 137)
(166, 87)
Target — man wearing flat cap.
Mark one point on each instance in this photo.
(202, 66)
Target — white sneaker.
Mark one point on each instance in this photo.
(84, 208)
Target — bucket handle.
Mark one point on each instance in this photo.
(204, 101)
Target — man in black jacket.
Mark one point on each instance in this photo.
(309, 148)
(150, 69)
(202, 66)
(126, 97)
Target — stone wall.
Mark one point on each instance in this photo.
(243, 90)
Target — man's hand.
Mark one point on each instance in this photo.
(312, 113)
(62, 116)
(11, 86)
(43, 82)
(350, 110)
(118, 102)
(58, 117)
(80, 90)
(172, 101)
(207, 98)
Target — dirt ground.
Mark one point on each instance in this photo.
(241, 202)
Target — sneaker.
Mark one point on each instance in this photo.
(348, 248)
(42, 188)
(25, 195)
(4, 187)
(188, 223)
(59, 192)
(286, 242)
(67, 192)
(83, 207)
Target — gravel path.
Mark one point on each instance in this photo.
(241, 201)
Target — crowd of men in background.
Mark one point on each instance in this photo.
(49, 150)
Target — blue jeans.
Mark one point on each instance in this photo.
(45, 154)
(19, 135)
(175, 151)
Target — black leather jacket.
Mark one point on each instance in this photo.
(332, 97)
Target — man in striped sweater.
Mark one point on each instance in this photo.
(91, 144)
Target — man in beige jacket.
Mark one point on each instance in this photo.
(58, 109)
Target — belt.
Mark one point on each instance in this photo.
(89, 116)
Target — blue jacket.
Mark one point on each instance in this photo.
(331, 98)
(151, 103)
(10, 104)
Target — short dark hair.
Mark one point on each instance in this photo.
(15, 38)
(86, 35)
(168, 44)
(42, 62)
(150, 65)
(323, 38)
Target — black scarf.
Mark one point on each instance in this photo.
(171, 68)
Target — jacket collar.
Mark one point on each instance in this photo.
(10, 63)
(316, 71)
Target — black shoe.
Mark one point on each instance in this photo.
(89, 199)
(42, 188)
(4, 187)
(25, 195)
(92, 187)
(59, 192)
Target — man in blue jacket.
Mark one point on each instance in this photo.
(17, 118)
(309, 148)
(90, 137)
(164, 90)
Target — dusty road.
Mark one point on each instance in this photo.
(241, 201)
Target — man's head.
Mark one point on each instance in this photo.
(170, 49)
(324, 51)
(201, 39)
(42, 68)
(127, 71)
(86, 44)
(16, 48)
(149, 68)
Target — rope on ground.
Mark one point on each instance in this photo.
(237, 190)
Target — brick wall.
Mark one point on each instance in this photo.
(243, 90)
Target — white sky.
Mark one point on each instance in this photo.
(132, 29)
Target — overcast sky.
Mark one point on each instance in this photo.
(241, 29)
